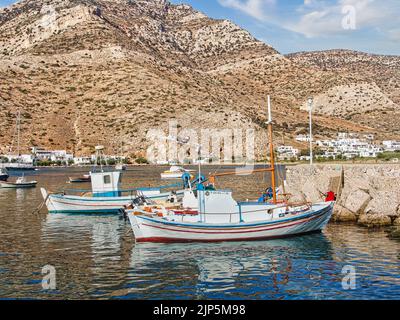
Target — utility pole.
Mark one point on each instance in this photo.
(310, 105)
(271, 150)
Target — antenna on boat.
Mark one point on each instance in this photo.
(99, 153)
(271, 150)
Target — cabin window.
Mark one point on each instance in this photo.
(107, 179)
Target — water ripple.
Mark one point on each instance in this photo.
(96, 257)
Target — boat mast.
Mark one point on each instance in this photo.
(199, 160)
(271, 150)
(19, 136)
(310, 105)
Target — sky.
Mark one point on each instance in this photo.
(307, 25)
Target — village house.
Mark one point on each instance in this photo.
(391, 145)
(287, 153)
(349, 146)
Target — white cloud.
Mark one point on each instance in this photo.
(319, 18)
(253, 8)
(328, 19)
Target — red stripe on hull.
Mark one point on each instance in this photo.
(240, 231)
(178, 240)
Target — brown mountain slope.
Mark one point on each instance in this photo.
(374, 100)
(99, 71)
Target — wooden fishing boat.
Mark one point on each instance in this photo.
(244, 222)
(18, 165)
(18, 184)
(220, 218)
(175, 172)
(105, 195)
(83, 179)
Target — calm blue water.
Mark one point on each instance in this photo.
(96, 257)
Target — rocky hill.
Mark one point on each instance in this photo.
(374, 100)
(86, 72)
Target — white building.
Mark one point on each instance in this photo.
(329, 155)
(87, 160)
(23, 158)
(49, 155)
(303, 138)
(81, 161)
(305, 158)
(391, 145)
(61, 155)
(349, 146)
(287, 153)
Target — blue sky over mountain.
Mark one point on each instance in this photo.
(305, 25)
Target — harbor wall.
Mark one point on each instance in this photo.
(368, 195)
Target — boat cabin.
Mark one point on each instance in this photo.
(106, 184)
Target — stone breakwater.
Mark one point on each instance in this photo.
(369, 194)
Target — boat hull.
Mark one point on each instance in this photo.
(59, 203)
(154, 229)
(18, 185)
(4, 177)
(20, 169)
(79, 180)
(171, 175)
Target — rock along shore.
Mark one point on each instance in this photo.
(369, 195)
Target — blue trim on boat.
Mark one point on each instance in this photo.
(129, 190)
(148, 189)
(94, 199)
(246, 203)
(85, 212)
(109, 194)
(238, 225)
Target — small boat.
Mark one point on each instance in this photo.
(3, 175)
(105, 196)
(21, 182)
(218, 217)
(20, 167)
(83, 179)
(175, 172)
(239, 222)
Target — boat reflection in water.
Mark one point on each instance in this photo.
(261, 270)
(94, 249)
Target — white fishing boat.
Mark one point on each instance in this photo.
(19, 164)
(175, 172)
(242, 221)
(105, 196)
(81, 179)
(220, 218)
(21, 182)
